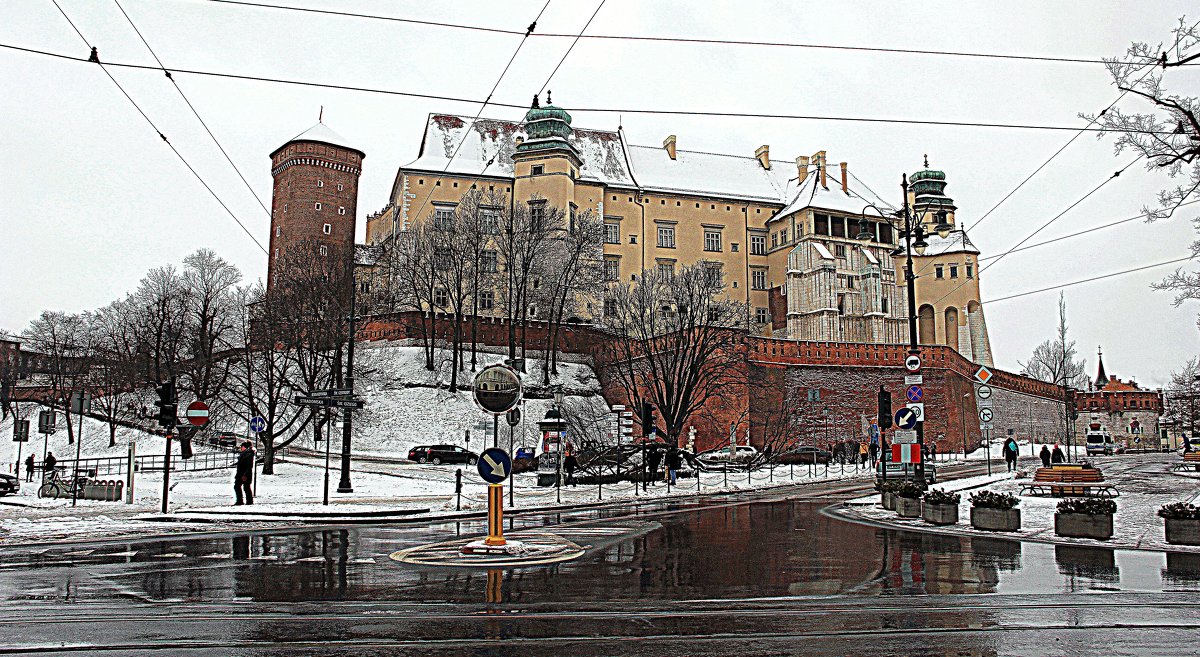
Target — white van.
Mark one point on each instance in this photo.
(1099, 441)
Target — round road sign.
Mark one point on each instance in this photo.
(985, 415)
(906, 418)
(494, 465)
(513, 417)
(257, 424)
(197, 414)
(984, 392)
(914, 394)
(497, 389)
(913, 363)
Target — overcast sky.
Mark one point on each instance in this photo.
(90, 197)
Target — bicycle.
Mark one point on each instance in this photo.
(55, 485)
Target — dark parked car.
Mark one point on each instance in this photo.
(806, 454)
(9, 485)
(439, 454)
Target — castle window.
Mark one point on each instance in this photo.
(612, 267)
(324, 250)
(712, 240)
(420, 181)
(884, 304)
(758, 279)
(678, 203)
(490, 222)
(437, 183)
(614, 198)
(487, 300)
(488, 262)
(276, 253)
(327, 229)
(712, 207)
(666, 271)
(633, 239)
(727, 208)
(610, 307)
(317, 206)
(937, 271)
(320, 183)
(733, 246)
(970, 271)
(666, 237)
(758, 245)
(442, 259)
(455, 185)
(953, 271)
(841, 304)
(277, 230)
(839, 250)
(443, 218)
(341, 187)
(612, 233)
(341, 210)
(761, 315)
(441, 298)
(783, 236)
(774, 240)
(537, 170)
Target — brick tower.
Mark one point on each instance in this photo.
(315, 196)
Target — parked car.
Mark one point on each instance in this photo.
(226, 439)
(806, 454)
(900, 471)
(9, 485)
(439, 454)
(743, 453)
(524, 453)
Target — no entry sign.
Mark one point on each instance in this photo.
(197, 414)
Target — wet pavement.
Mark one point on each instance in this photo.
(718, 577)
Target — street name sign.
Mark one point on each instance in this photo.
(346, 403)
(913, 379)
(905, 437)
(494, 465)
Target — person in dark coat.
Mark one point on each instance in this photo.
(1045, 454)
(48, 464)
(29, 468)
(674, 463)
(653, 459)
(1057, 455)
(244, 475)
(1010, 454)
(570, 464)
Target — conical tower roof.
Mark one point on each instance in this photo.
(1101, 377)
(322, 134)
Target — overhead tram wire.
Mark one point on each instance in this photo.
(595, 110)
(482, 106)
(191, 107)
(668, 39)
(156, 130)
(1039, 229)
(1087, 280)
(1086, 231)
(571, 47)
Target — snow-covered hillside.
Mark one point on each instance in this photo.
(407, 405)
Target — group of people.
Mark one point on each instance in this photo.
(1047, 455)
(654, 457)
(48, 465)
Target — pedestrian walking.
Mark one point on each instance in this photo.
(243, 475)
(1057, 455)
(653, 459)
(1045, 454)
(862, 453)
(48, 465)
(1010, 454)
(674, 463)
(570, 464)
(29, 468)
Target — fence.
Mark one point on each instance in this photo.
(119, 465)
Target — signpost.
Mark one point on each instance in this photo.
(497, 390)
(46, 422)
(20, 437)
(494, 467)
(905, 418)
(328, 399)
(81, 403)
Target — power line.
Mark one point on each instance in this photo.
(1083, 232)
(1043, 226)
(193, 109)
(668, 39)
(596, 110)
(1088, 280)
(95, 59)
(571, 47)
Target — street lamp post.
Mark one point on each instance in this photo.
(562, 442)
(914, 240)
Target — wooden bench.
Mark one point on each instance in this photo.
(1069, 480)
(1191, 461)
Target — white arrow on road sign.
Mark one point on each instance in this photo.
(985, 415)
(497, 468)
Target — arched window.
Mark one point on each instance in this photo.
(952, 328)
(926, 328)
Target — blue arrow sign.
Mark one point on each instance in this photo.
(906, 419)
(914, 394)
(257, 424)
(494, 465)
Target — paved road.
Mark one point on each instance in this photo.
(725, 576)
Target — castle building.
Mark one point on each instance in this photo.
(1132, 414)
(315, 196)
(793, 239)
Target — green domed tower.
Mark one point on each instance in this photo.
(545, 163)
(928, 187)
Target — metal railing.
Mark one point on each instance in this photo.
(119, 465)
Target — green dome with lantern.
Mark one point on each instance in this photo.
(546, 126)
(929, 189)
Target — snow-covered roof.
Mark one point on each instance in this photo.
(822, 250)
(696, 172)
(367, 254)
(323, 134)
(810, 194)
(955, 242)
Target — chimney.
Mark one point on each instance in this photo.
(819, 157)
(845, 189)
(669, 144)
(763, 155)
(802, 168)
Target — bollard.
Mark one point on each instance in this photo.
(495, 535)
(458, 489)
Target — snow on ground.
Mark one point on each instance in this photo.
(407, 405)
(1145, 482)
(95, 440)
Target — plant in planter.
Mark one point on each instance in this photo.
(908, 499)
(1182, 523)
(940, 507)
(996, 512)
(887, 491)
(1085, 517)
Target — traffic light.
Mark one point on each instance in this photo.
(885, 409)
(167, 405)
(647, 419)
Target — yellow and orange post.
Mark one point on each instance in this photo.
(495, 535)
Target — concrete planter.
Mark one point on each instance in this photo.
(995, 520)
(1081, 525)
(908, 507)
(940, 514)
(889, 501)
(1183, 531)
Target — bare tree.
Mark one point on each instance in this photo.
(210, 319)
(574, 277)
(679, 344)
(118, 372)
(1167, 136)
(63, 340)
(1182, 393)
(1054, 361)
(522, 252)
(161, 299)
